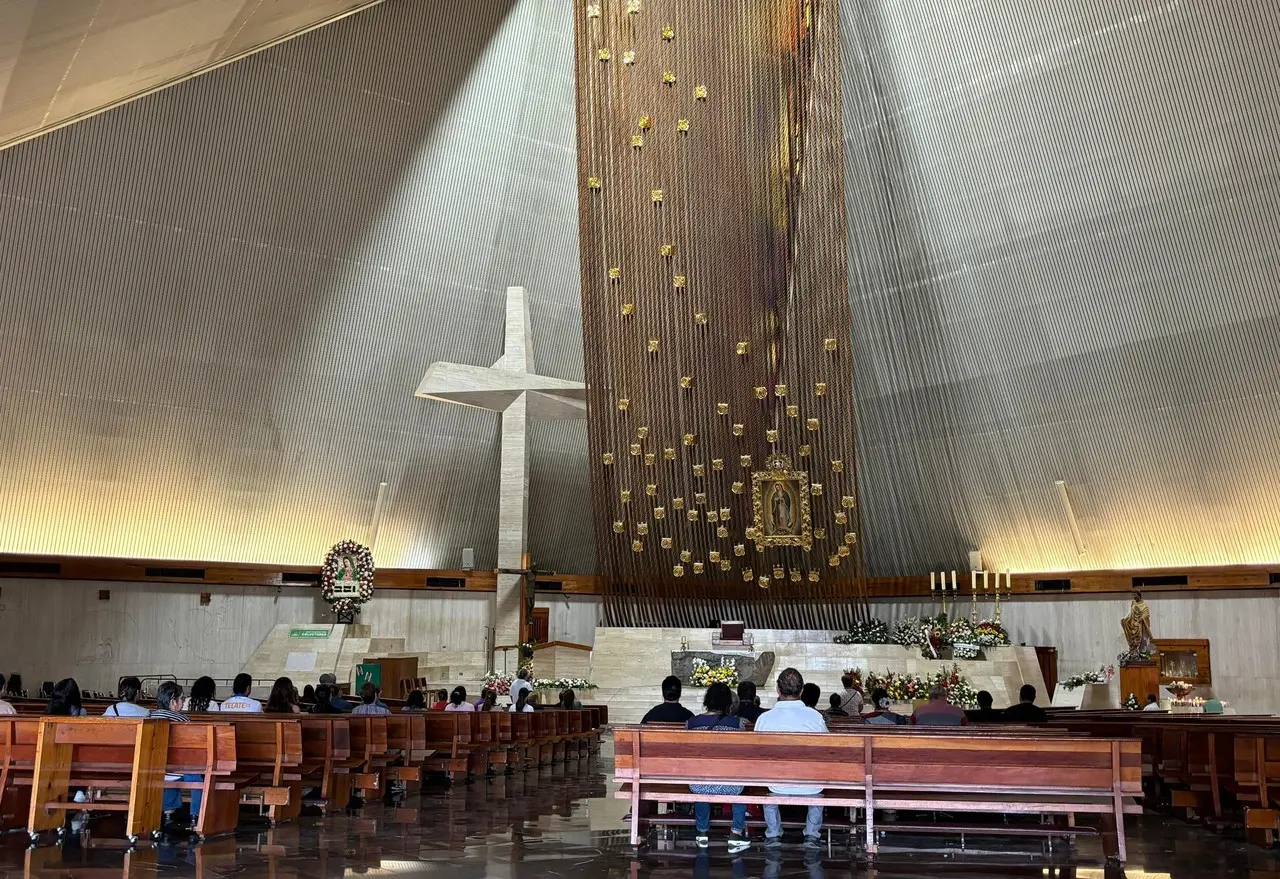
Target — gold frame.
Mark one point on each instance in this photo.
(779, 470)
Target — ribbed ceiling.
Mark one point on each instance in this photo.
(61, 60)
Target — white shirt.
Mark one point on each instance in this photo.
(186, 705)
(527, 708)
(516, 686)
(792, 716)
(851, 702)
(242, 704)
(465, 706)
(125, 709)
(1152, 706)
(6, 708)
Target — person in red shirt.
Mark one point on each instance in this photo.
(442, 700)
(938, 711)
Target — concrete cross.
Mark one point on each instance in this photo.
(513, 387)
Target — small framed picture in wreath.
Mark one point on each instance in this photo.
(346, 579)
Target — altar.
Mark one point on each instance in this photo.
(628, 664)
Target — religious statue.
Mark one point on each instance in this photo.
(1137, 627)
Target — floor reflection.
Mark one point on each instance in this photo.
(565, 822)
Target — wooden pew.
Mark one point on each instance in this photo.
(326, 759)
(369, 755)
(448, 741)
(889, 768)
(269, 756)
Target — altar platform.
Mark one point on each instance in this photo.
(628, 665)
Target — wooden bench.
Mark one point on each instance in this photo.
(326, 759)
(269, 756)
(887, 768)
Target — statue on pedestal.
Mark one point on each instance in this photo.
(1137, 629)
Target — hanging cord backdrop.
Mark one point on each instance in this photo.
(345, 564)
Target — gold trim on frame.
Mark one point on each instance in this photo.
(764, 484)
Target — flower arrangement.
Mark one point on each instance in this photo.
(1180, 689)
(965, 650)
(704, 674)
(869, 631)
(990, 633)
(1132, 703)
(910, 687)
(344, 562)
(908, 631)
(499, 683)
(1102, 676)
(563, 684)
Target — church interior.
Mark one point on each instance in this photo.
(520, 438)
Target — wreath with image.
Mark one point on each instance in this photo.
(336, 570)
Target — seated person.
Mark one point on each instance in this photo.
(1214, 706)
(810, 695)
(168, 701)
(984, 712)
(851, 699)
(792, 715)
(458, 700)
(1153, 703)
(569, 701)
(880, 715)
(324, 703)
(201, 699)
(128, 705)
(718, 700)
(521, 705)
(670, 711)
(835, 710)
(64, 700)
(938, 711)
(748, 704)
(5, 707)
(416, 701)
(1026, 711)
(241, 701)
(336, 699)
(284, 698)
(369, 702)
(442, 700)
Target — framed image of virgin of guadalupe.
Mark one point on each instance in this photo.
(780, 501)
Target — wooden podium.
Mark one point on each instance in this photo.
(1140, 679)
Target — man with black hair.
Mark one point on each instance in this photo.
(1026, 711)
(242, 686)
(670, 711)
(747, 707)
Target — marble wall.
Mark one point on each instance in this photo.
(1243, 629)
(573, 618)
(51, 629)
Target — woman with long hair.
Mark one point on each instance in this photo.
(718, 702)
(130, 689)
(323, 706)
(521, 705)
(458, 700)
(281, 700)
(64, 701)
(415, 701)
(201, 698)
(488, 700)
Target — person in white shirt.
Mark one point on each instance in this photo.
(458, 701)
(522, 703)
(242, 686)
(5, 707)
(1153, 703)
(128, 706)
(792, 715)
(201, 698)
(521, 683)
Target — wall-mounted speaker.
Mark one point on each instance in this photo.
(468, 559)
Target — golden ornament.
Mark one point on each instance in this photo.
(593, 10)
(724, 514)
(666, 249)
(713, 516)
(778, 573)
(618, 527)
(700, 497)
(750, 533)
(615, 273)
(692, 514)
(633, 7)
(842, 551)
(722, 408)
(637, 546)
(642, 528)
(779, 390)
(792, 410)
(665, 543)
(837, 466)
(651, 490)
(744, 460)
(690, 439)
(795, 576)
(679, 282)
(593, 183)
(736, 488)
(667, 32)
(833, 561)
(699, 470)
(842, 518)
(648, 459)
(624, 404)
(652, 345)
(668, 454)
(819, 389)
(725, 565)
(819, 533)
(629, 57)
(698, 567)
(677, 570)
(628, 309)
(717, 463)
(815, 489)
(739, 549)
(700, 318)
(847, 502)
(829, 344)
(714, 556)
(686, 381)
(812, 423)
(607, 458)
(813, 577)
(625, 494)
(637, 140)
(722, 531)
(748, 574)
(806, 450)
(642, 432)
(635, 448)
(685, 555)
(761, 392)
(656, 195)
(738, 429)
(851, 538)
(668, 77)
(771, 435)
(700, 92)
(682, 125)
(763, 581)
(603, 55)
(743, 348)
(677, 503)
(659, 512)
(644, 123)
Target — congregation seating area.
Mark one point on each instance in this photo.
(272, 765)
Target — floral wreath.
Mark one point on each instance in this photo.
(332, 572)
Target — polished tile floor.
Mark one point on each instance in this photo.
(563, 822)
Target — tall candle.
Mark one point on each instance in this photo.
(933, 581)
(973, 578)
(985, 576)
(953, 581)
(1008, 580)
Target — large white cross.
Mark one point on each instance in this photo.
(511, 386)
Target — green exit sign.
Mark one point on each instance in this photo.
(308, 633)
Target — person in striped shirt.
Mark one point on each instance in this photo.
(168, 701)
